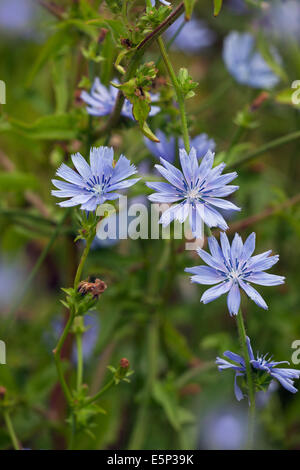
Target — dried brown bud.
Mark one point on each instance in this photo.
(102, 35)
(95, 288)
(2, 392)
(126, 43)
(124, 363)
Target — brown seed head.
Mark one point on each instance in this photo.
(95, 288)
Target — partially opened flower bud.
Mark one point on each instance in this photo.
(124, 363)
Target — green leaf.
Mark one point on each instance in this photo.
(189, 7)
(52, 47)
(148, 133)
(176, 342)
(60, 85)
(217, 6)
(166, 397)
(52, 127)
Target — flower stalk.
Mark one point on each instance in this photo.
(249, 376)
(11, 430)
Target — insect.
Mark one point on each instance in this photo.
(95, 288)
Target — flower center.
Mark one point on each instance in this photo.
(98, 188)
(193, 194)
(234, 275)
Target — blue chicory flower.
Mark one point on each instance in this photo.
(233, 267)
(245, 64)
(94, 183)
(166, 147)
(197, 190)
(284, 376)
(101, 101)
(193, 36)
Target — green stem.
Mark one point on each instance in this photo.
(79, 359)
(11, 430)
(250, 382)
(98, 395)
(57, 358)
(83, 258)
(179, 95)
(57, 350)
(264, 148)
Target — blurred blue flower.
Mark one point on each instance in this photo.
(12, 278)
(197, 189)
(283, 20)
(89, 337)
(202, 143)
(94, 183)
(153, 2)
(284, 376)
(245, 64)
(193, 36)
(232, 268)
(237, 6)
(101, 101)
(166, 147)
(224, 428)
(16, 16)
